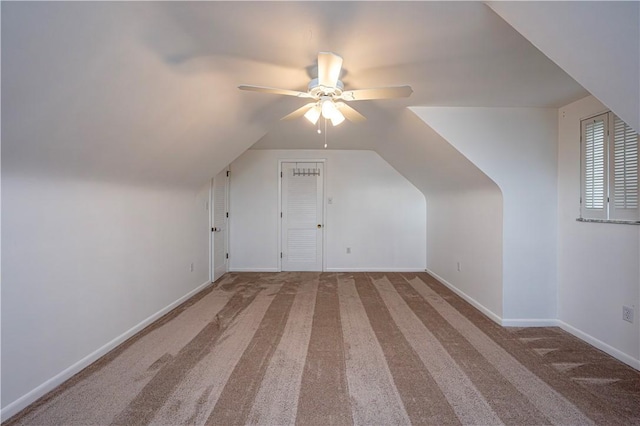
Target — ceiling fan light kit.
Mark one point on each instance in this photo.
(337, 118)
(313, 114)
(328, 93)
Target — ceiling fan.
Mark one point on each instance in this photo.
(328, 94)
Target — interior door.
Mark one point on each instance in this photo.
(301, 215)
(220, 224)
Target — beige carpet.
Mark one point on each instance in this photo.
(361, 348)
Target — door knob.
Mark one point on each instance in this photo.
(319, 226)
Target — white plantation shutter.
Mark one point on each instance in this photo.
(609, 168)
(623, 171)
(594, 161)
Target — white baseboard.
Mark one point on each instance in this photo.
(374, 269)
(465, 296)
(334, 270)
(254, 270)
(32, 396)
(627, 359)
(529, 322)
(511, 322)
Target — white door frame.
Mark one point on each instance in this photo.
(324, 206)
(210, 209)
(210, 229)
(212, 265)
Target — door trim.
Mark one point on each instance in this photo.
(210, 208)
(212, 269)
(324, 206)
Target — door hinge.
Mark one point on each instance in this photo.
(280, 214)
(227, 255)
(280, 255)
(280, 174)
(228, 173)
(227, 214)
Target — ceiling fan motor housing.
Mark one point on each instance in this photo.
(317, 91)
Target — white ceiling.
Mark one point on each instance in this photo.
(596, 42)
(149, 90)
(452, 53)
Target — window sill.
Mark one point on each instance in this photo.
(620, 222)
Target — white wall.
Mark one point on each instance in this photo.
(597, 262)
(516, 148)
(83, 263)
(95, 90)
(595, 42)
(465, 228)
(375, 211)
(464, 211)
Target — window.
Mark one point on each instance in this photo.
(609, 151)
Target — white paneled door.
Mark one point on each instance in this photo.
(220, 222)
(301, 215)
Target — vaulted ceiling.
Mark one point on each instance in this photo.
(148, 91)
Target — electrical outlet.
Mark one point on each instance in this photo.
(627, 314)
(191, 267)
(348, 250)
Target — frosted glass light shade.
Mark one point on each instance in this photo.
(328, 109)
(313, 114)
(337, 118)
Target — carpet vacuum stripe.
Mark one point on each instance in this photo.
(277, 399)
(423, 399)
(311, 348)
(235, 402)
(374, 398)
(195, 397)
(594, 403)
(148, 401)
(557, 408)
(488, 377)
(324, 395)
(82, 398)
(466, 400)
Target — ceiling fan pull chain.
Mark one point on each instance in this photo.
(325, 133)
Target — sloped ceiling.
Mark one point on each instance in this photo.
(148, 91)
(596, 42)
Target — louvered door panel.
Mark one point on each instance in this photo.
(301, 214)
(301, 199)
(301, 246)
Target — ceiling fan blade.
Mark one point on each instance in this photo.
(350, 113)
(274, 91)
(380, 93)
(329, 67)
(299, 112)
